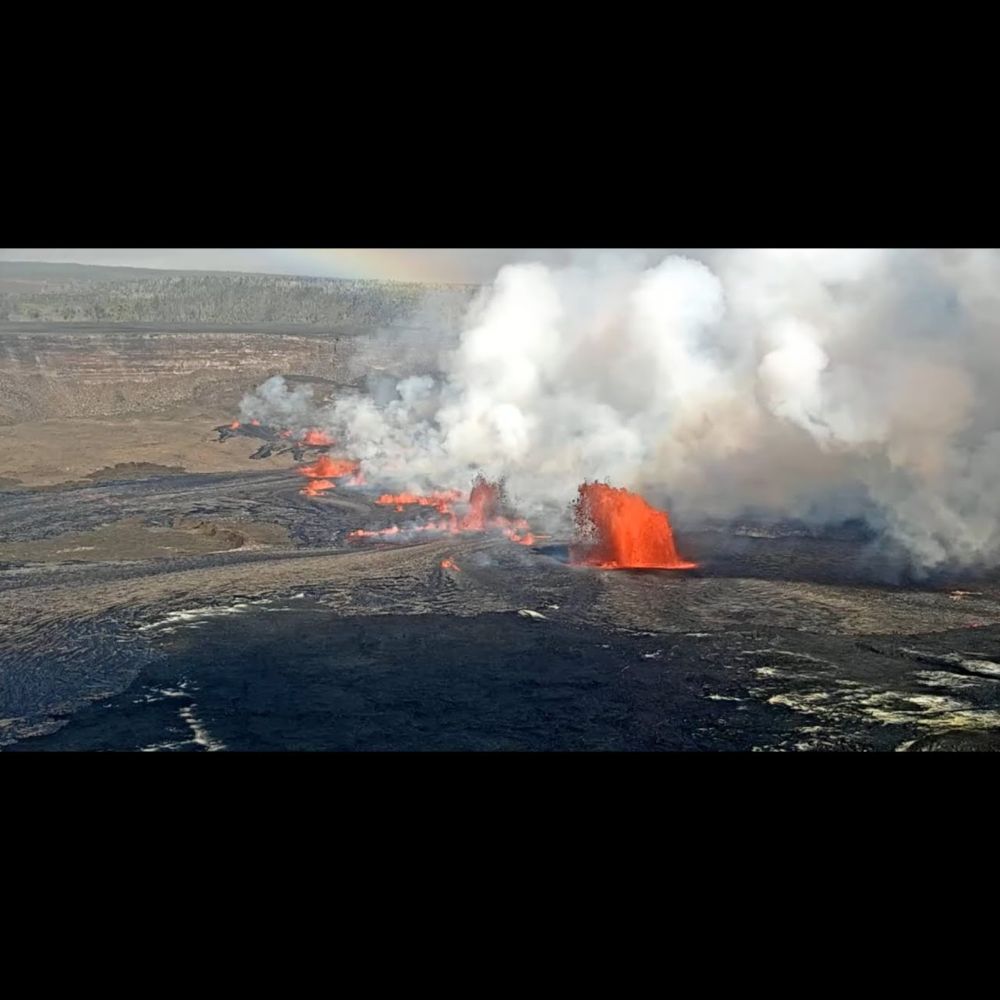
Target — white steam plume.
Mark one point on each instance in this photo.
(856, 382)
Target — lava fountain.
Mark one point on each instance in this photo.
(617, 529)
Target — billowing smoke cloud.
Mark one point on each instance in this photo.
(836, 383)
(275, 402)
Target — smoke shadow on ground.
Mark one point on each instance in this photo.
(791, 559)
(805, 560)
(818, 560)
(558, 552)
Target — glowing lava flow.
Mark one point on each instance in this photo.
(617, 529)
(485, 504)
(316, 486)
(325, 469)
(450, 564)
(441, 502)
(329, 468)
(317, 439)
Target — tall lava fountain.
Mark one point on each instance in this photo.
(617, 529)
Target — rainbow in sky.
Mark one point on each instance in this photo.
(426, 266)
(385, 265)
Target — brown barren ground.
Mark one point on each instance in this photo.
(130, 539)
(50, 452)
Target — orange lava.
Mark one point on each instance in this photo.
(316, 486)
(617, 529)
(450, 564)
(329, 468)
(315, 437)
(323, 470)
(235, 425)
(441, 502)
(381, 533)
(486, 501)
(255, 422)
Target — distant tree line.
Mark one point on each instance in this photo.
(235, 299)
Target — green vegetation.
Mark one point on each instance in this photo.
(74, 293)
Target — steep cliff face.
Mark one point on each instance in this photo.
(76, 398)
(81, 342)
(51, 373)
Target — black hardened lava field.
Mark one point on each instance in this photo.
(606, 507)
(318, 641)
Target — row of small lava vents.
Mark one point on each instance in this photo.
(615, 529)
(276, 441)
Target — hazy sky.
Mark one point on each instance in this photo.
(473, 265)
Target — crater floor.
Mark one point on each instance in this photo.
(257, 624)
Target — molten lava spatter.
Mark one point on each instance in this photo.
(617, 529)
(450, 564)
(486, 501)
(484, 505)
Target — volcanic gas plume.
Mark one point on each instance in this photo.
(617, 529)
(822, 385)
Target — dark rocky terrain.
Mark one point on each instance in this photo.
(295, 637)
